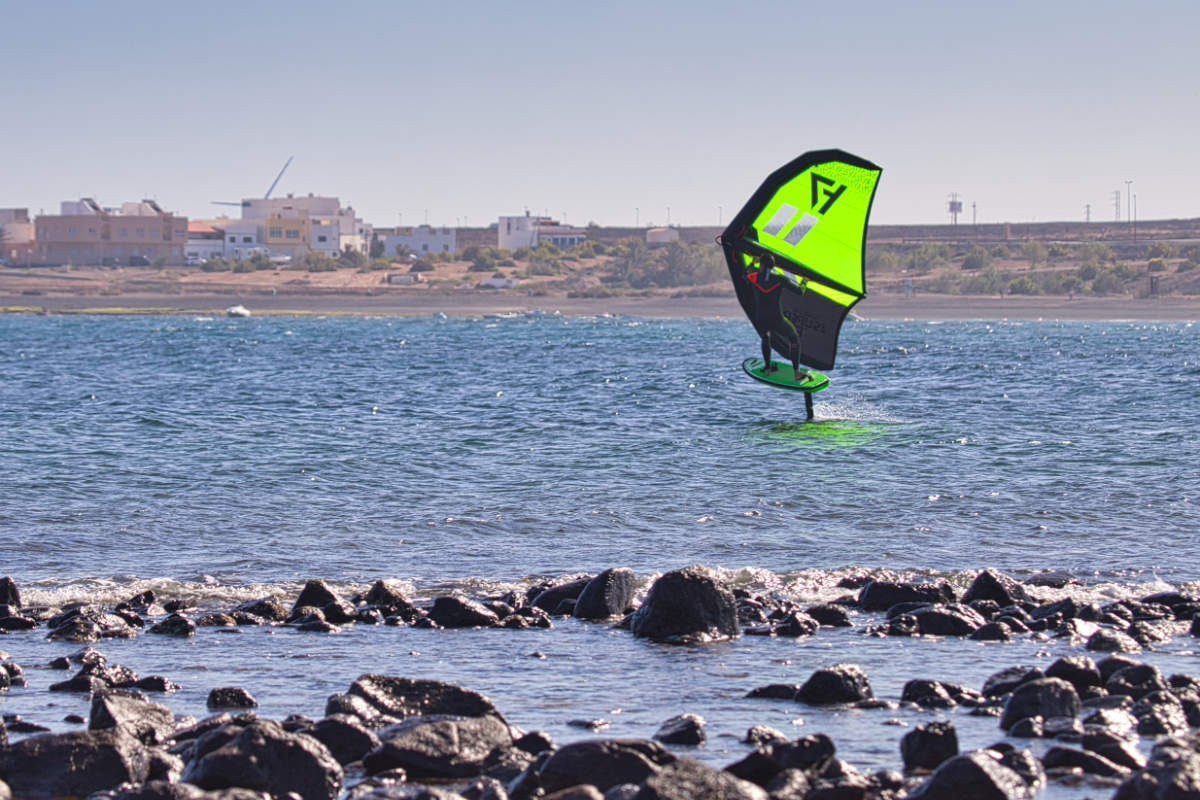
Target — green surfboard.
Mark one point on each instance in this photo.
(781, 375)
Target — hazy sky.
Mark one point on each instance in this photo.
(612, 111)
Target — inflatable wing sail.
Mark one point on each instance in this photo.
(810, 216)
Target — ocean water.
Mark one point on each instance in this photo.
(225, 459)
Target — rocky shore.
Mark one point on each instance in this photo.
(1093, 714)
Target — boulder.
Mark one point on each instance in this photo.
(1160, 714)
(1047, 697)
(1172, 772)
(841, 683)
(267, 608)
(882, 595)
(927, 694)
(1001, 683)
(316, 593)
(1137, 681)
(1116, 748)
(454, 611)
(55, 765)
(406, 697)
(1108, 640)
(151, 723)
(388, 597)
(688, 779)
(174, 625)
(603, 763)
(689, 605)
(978, 775)
(231, 697)
(440, 748)
(89, 624)
(10, 595)
(948, 620)
(1058, 757)
(548, 598)
(264, 757)
(348, 740)
(609, 594)
(927, 746)
(829, 615)
(995, 586)
(1079, 671)
(682, 729)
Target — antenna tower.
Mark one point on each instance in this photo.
(954, 206)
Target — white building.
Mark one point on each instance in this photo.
(322, 217)
(204, 241)
(527, 231)
(243, 238)
(422, 240)
(657, 237)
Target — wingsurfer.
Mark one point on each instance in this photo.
(769, 315)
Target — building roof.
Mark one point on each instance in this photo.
(200, 227)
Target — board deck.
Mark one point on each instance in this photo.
(782, 376)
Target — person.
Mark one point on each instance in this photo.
(769, 316)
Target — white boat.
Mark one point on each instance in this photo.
(237, 311)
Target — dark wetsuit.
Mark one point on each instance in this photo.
(768, 315)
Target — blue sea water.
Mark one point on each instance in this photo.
(223, 459)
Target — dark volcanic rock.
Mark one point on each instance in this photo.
(603, 763)
(688, 779)
(1172, 773)
(1047, 697)
(609, 594)
(406, 697)
(1137, 681)
(440, 748)
(345, 737)
(75, 764)
(453, 611)
(10, 595)
(1004, 681)
(829, 615)
(977, 775)
(1107, 640)
(927, 694)
(315, 593)
(1091, 763)
(151, 723)
(841, 683)
(927, 746)
(174, 625)
(682, 729)
(687, 605)
(992, 632)
(1160, 713)
(997, 587)
(1118, 749)
(547, 598)
(231, 697)
(264, 757)
(1079, 671)
(267, 608)
(882, 595)
(775, 691)
(89, 624)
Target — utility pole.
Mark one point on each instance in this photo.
(1135, 217)
(1117, 205)
(1128, 204)
(1087, 212)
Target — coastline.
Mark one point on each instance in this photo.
(662, 305)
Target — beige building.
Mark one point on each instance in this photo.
(16, 236)
(88, 233)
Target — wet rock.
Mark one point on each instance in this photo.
(689, 605)
(1027, 728)
(440, 748)
(1118, 749)
(789, 784)
(1024, 763)
(603, 763)
(339, 612)
(841, 683)
(1092, 763)
(10, 595)
(1107, 640)
(453, 611)
(927, 694)
(264, 757)
(1047, 697)
(762, 735)
(388, 597)
(682, 729)
(216, 620)
(829, 615)
(978, 775)
(995, 586)
(1065, 728)
(231, 697)
(1160, 713)
(688, 779)
(991, 632)
(1012, 623)
(1171, 773)
(547, 598)
(1118, 721)
(17, 622)
(988, 609)
(609, 594)
(1137, 681)
(169, 790)
(267, 608)
(347, 739)
(88, 624)
(882, 595)
(75, 764)
(174, 625)
(1079, 671)
(927, 746)
(948, 620)
(151, 723)
(316, 593)
(1146, 632)
(398, 698)
(1008, 679)
(156, 683)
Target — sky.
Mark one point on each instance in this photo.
(619, 113)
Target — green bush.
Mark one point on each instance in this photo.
(244, 266)
(216, 265)
(422, 265)
(1160, 250)
(1187, 265)
(978, 258)
(1156, 265)
(1023, 285)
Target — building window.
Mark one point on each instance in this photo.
(445, 248)
(321, 238)
(247, 239)
(275, 233)
(233, 240)
(424, 248)
(292, 234)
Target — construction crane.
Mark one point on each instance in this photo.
(266, 196)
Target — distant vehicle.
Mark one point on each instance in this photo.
(108, 261)
(194, 261)
(139, 261)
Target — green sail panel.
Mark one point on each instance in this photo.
(811, 216)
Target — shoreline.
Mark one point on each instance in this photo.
(476, 303)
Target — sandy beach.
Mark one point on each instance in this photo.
(134, 291)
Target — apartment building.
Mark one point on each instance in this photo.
(84, 232)
(16, 236)
(527, 231)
